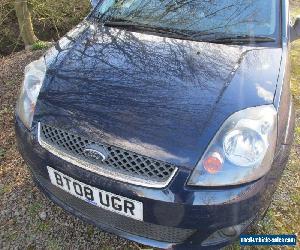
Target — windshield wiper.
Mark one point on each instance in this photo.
(196, 36)
(139, 26)
(243, 39)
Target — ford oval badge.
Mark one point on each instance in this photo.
(95, 152)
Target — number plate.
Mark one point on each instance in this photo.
(106, 200)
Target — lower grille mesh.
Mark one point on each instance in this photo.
(118, 160)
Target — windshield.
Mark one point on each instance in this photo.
(226, 18)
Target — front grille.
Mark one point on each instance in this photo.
(119, 164)
(112, 220)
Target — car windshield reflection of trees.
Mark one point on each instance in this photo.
(195, 19)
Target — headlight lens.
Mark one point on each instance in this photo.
(33, 80)
(242, 150)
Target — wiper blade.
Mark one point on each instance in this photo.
(121, 23)
(139, 26)
(192, 35)
(243, 39)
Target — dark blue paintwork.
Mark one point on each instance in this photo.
(164, 98)
(153, 95)
(206, 210)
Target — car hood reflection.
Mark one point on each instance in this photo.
(148, 94)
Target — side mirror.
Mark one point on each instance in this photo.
(94, 3)
(295, 30)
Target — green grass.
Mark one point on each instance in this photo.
(90, 231)
(34, 209)
(42, 226)
(295, 11)
(13, 236)
(53, 245)
(297, 138)
(295, 79)
(40, 45)
(5, 189)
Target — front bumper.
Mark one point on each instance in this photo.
(170, 214)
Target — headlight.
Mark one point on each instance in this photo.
(33, 80)
(242, 151)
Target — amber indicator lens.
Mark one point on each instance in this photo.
(213, 163)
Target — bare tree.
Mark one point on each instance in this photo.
(25, 24)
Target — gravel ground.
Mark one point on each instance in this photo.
(28, 220)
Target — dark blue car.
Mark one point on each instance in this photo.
(165, 122)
